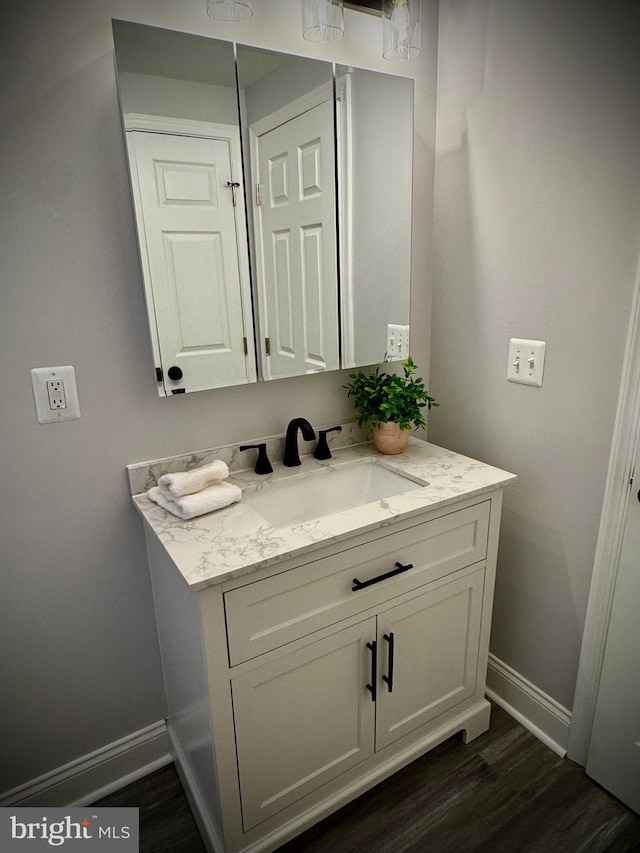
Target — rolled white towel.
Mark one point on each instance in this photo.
(190, 506)
(190, 482)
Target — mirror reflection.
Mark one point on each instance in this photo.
(288, 120)
(375, 154)
(247, 190)
(180, 115)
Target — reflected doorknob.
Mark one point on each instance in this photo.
(174, 373)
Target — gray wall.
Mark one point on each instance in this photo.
(537, 227)
(291, 80)
(381, 230)
(79, 665)
(162, 96)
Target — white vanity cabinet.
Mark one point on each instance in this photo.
(296, 687)
(317, 709)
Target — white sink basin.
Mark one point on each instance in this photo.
(306, 496)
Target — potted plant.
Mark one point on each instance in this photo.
(391, 403)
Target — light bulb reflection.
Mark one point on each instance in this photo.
(230, 11)
(322, 19)
(400, 29)
(401, 25)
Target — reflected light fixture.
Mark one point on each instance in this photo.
(230, 11)
(322, 20)
(400, 29)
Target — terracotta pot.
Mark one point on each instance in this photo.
(390, 439)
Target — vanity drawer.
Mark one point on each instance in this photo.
(269, 613)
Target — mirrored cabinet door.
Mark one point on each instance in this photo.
(288, 120)
(374, 113)
(180, 115)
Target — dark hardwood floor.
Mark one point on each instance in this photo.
(503, 793)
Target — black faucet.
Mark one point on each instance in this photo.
(291, 455)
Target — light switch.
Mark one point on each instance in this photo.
(526, 361)
(397, 343)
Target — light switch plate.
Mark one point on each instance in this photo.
(56, 394)
(397, 342)
(526, 361)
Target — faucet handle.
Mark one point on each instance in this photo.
(263, 466)
(322, 448)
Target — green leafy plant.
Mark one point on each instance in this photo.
(381, 397)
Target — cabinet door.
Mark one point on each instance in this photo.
(302, 719)
(430, 645)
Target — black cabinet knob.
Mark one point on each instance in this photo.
(174, 373)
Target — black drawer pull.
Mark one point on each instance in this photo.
(389, 677)
(373, 687)
(398, 570)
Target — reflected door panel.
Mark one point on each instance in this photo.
(296, 239)
(191, 247)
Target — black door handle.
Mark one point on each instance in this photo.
(374, 670)
(388, 678)
(398, 570)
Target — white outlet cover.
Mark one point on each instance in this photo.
(67, 375)
(526, 361)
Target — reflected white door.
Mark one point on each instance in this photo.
(192, 255)
(614, 751)
(296, 243)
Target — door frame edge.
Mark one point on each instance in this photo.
(606, 560)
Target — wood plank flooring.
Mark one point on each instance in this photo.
(503, 793)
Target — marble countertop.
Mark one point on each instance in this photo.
(237, 540)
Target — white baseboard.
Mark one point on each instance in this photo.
(116, 765)
(535, 710)
(97, 774)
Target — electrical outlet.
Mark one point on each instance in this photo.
(55, 394)
(397, 342)
(57, 397)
